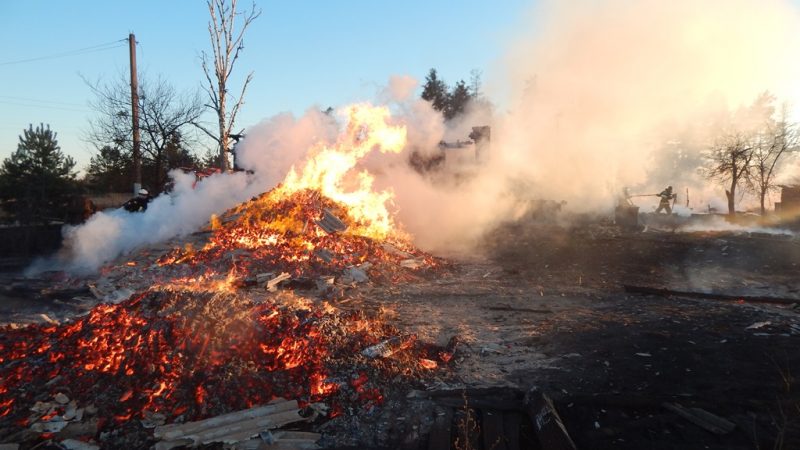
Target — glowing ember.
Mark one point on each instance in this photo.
(169, 351)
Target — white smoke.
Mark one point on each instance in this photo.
(109, 234)
(718, 223)
(602, 94)
(272, 146)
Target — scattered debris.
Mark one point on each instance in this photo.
(74, 444)
(330, 223)
(548, 425)
(390, 346)
(48, 319)
(272, 285)
(702, 418)
(758, 325)
(262, 278)
(389, 248)
(324, 254)
(229, 428)
(354, 275)
(152, 420)
(412, 263)
(54, 425)
(283, 440)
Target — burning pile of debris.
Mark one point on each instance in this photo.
(304, 237)
(217, 331)
(169, 355)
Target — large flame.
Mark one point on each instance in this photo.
(330, 169)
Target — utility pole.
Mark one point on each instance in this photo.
(137, 155)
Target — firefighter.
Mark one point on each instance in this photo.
(666, 195)
(624, 199)
(138, 203)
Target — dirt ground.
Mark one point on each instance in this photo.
(543, 305)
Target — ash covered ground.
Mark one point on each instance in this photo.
(544, 305)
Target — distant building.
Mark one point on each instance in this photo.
(789, 206)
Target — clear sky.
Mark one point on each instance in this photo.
(302, 53)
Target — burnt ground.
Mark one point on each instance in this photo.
(544, 306)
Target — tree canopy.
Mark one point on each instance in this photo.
(451, 102)
(167, 121)
(37, 178)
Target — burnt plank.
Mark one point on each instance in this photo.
(440, 437)
(511, 424)
(493, 432)
(547, 423)
(704, 295)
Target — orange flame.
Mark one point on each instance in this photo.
(329, 169)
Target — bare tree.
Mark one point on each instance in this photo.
(226, 43)
(778, 137)
(730, 162)
(165, 120)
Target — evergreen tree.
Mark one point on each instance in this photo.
(457, 101)
(110, 170)
(37, 179)
(435, 91)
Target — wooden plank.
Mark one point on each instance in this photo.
(512, 421)
(175, 431)
(441, 437)
(550, 430)
(702, 418)
(724, 297)
(493, 432)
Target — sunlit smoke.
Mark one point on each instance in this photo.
(109, 234)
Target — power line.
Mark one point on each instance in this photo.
(80, 51)
(29, 105)
(36, 100)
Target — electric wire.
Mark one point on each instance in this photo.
(11, 98)
(80, 51)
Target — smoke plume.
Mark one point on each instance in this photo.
(600, 95)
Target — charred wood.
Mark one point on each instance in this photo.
(726, 297)
(702, 418)
(549, 428)
(228, 428)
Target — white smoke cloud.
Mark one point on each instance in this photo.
(602, 94)
(272, 146)
(109, 234)
(600, 86)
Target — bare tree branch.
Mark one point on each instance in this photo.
(226, 45)
(166, 119)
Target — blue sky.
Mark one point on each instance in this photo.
(303, 53)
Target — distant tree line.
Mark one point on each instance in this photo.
(166, 123)
(450, 101)
(747, 152)
(38, 181)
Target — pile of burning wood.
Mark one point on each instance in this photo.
(218, 331)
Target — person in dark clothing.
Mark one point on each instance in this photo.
(138, 203)
(666, 195)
